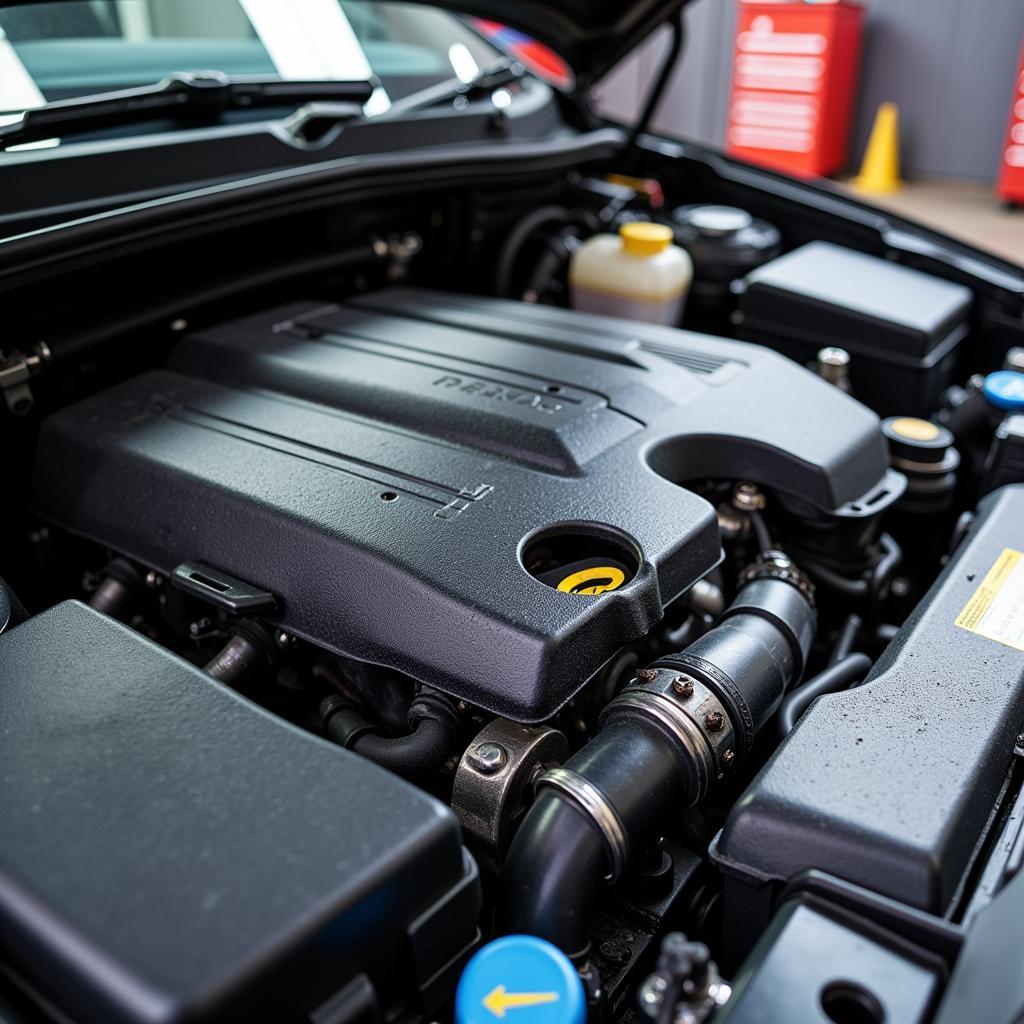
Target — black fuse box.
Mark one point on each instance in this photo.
(172, 853)
(902, 327)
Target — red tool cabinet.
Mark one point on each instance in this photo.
(1011, 173)
(794, 80)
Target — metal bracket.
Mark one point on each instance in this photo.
(15, 371)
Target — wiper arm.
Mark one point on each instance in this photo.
(188, 95)
(505, 72)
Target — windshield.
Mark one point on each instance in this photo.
(54, 51)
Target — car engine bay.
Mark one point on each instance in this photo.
(366, 603)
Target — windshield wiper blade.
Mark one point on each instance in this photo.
(186, 95)
(505, 72)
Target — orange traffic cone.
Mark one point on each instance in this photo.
(880, 171)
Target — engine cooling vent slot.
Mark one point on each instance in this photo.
(719, 369)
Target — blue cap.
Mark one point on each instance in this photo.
(520, 979)
(1005, 390)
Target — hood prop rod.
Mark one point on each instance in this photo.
(657, 90)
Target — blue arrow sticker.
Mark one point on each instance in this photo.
(520, 979)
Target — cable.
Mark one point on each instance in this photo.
(833, 679)
(764, 540)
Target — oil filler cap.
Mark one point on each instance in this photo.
(1005, 390)
(520, 979)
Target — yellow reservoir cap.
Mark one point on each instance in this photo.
(643, 238)
(913, 429)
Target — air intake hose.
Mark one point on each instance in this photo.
(676, 729)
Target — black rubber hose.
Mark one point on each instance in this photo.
(755, 653)
(433, 725)
(862, 587)
(508, 255)
(119, 591)
(881, 574)
(855, 589)
(642, 770)
(558, 857)
(238, 658)
(833, 679)
(846, 640)
(553, 903)
(250, 650)
(886, 633)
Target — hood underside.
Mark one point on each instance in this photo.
(592, 35)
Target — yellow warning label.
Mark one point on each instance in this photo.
(996, 610)
(595, 580)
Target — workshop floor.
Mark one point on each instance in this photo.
(966, 210)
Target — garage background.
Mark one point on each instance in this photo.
(948, 64)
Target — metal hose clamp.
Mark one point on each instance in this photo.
(681, 703)
(595, 805)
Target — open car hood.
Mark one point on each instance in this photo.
(592, 35)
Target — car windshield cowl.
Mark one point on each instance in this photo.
(199, 96)
(103, 67)
(188, 95)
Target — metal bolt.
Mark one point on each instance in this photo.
(682, 686)
(284, 639)
(647, 675)
(715, 721)
(727, 758)
(616, 952)
(833, 356)
(652, 993)
(748, 497)
(152, 579)
(833, 365)
(178, 324)
(488, 758)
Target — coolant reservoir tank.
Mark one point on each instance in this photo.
(638, 273)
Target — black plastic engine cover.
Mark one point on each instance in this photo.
(382, 467)
(172, 854)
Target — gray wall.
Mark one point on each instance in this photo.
(949, 64)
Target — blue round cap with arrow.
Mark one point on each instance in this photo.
(520, 979)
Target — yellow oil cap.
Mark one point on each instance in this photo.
(643, 238)
(912, 429)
